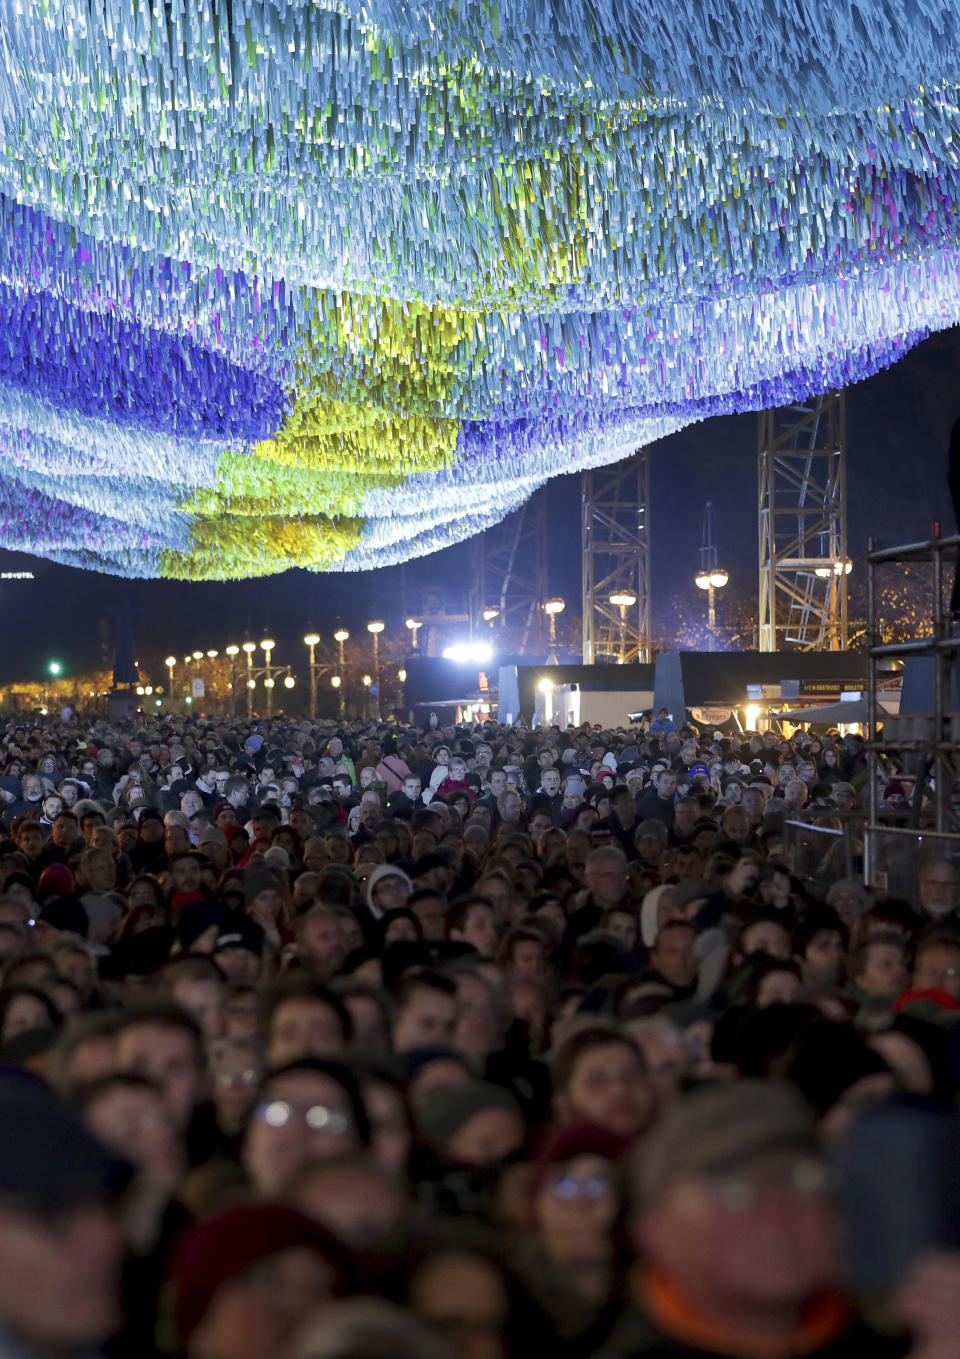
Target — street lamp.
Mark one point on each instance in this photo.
(842, 568)
(198, 655)
(551, 609)
(249, 648)
(266, 646)
(711, 576)
(233, 652)
(375, 627)
(341, 636)
(414, 624)
(170, 662)
(311, 640)
(623, 600)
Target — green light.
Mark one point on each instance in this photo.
(54, 667)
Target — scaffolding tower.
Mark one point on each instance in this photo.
(615, 528)
(804, 563)
(510, 579)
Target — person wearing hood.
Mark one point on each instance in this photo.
(14, 806)
(387, 889)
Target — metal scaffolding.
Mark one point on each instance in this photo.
(804, 563)
(510, 580)
(616, 561)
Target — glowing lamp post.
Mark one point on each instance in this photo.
(311, 641)
(711, 576)
(248, 649)
(623, 600)
(341, 636)
(266, 646)
(711, 581)
(375, 627)
(551, 609)
(233, 652)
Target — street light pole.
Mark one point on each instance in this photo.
(249, 648)
(711, 576)
(233, 652)
(551, 609)
(311, 641)
(266, 647)
(624, 600)
(170, 662)
(341, 636)
(375, 627)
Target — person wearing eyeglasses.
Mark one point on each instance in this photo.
(576, 1258)
(735, 1234)
(305, 1111)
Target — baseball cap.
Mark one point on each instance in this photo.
(717, 1129)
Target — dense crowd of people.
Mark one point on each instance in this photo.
(367, 1041)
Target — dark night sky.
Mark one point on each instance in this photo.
(897, 428)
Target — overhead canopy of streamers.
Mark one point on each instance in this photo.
(335, 283)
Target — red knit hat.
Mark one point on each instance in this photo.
(181, 899)
(215, 1252)
(933, 994)
(579, 1139)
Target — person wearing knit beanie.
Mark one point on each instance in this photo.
(223, 1301)
(471, 1124)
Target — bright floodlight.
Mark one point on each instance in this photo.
(367, 681)
(376, 626)
(555, 606)
(624, 600)
(465, 652)
(718, 578)
(490, 614)
(171, 661)
(545, 686)
(54, 667)
(402, 676)
(311, 639)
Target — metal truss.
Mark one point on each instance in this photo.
(802, 525)
(510, 580)
(616, 561)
